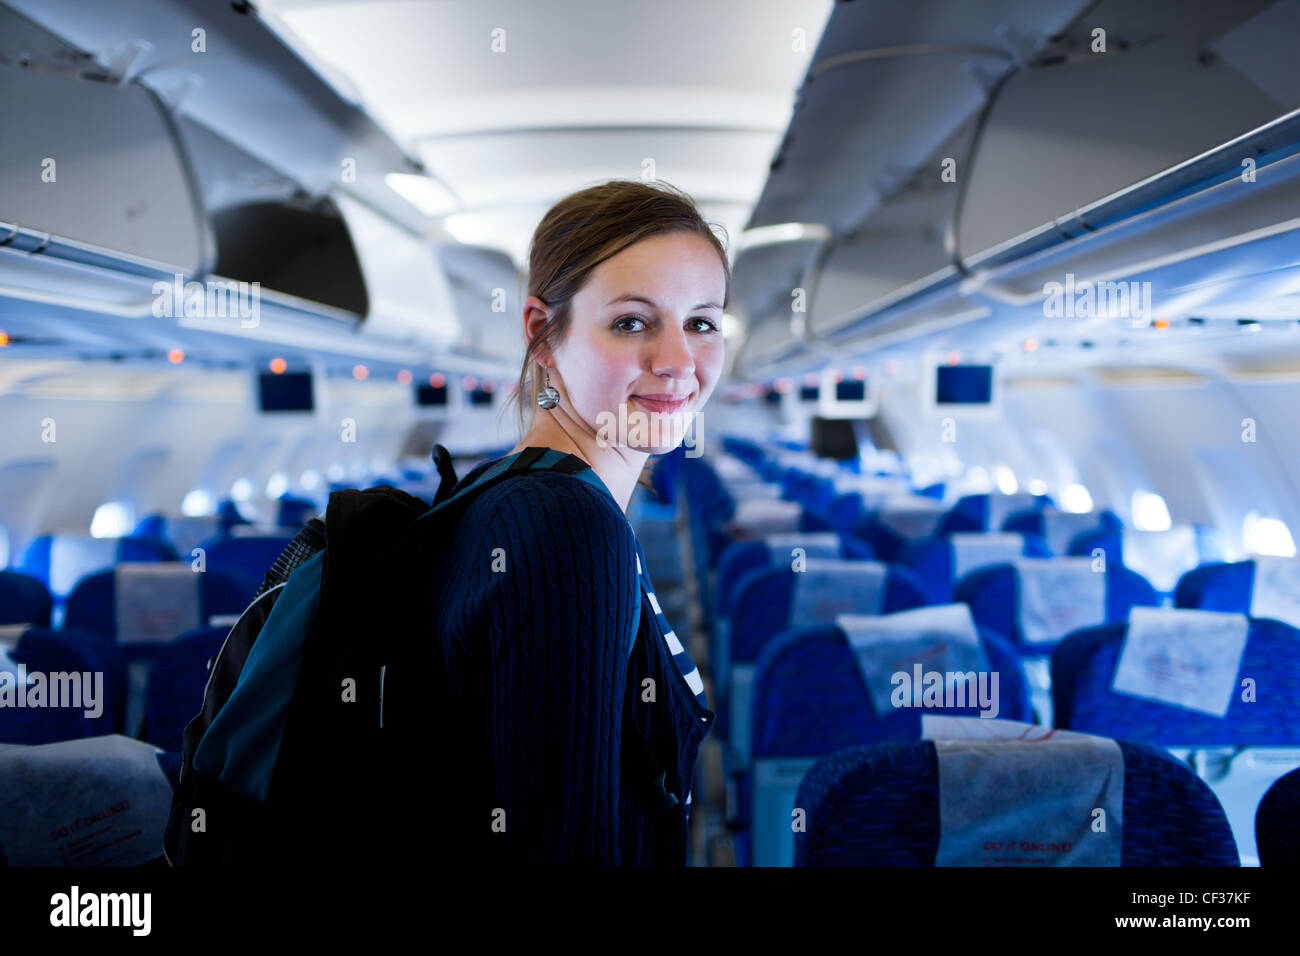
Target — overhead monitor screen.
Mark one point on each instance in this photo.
(963, 385)
(431, 395)
(286, 392)
(851, 390)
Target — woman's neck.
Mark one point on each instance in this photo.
(618, 467)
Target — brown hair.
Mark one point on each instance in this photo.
(575, 236)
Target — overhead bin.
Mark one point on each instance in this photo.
(91, 172)
(301, 248)
(409, 296)
(488, 291)
(1099, 162)
(1061, 137)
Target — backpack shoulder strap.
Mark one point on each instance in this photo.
(532, 458)
(446, 472)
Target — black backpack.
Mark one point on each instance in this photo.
(324, 708)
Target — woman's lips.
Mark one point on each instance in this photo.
(663, 406)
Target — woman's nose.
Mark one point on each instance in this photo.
(673, 357)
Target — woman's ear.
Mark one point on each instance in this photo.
(536, 315)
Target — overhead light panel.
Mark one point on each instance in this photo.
(427, 195)
(782, 232)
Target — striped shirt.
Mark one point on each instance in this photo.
(682, 659)
(689, 671)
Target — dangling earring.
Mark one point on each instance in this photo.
(549, 396)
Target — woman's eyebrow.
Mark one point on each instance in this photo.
(637, 297)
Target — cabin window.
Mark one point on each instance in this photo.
(1006, 479)
(1075, 497)
(198, 502)
(1150, 513)
(1263, 535)
(112, 519)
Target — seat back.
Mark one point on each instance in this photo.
(295, 512)
(182, 532)
(898, 522)
(743, 557)
(176, 683)
(772, 601)
(810, 699)
(1265, 587)
(24, 600)
(60, 561)
(55, 689)
(941, 562)
(1234, 722)
(1059, 528)
(987, 512)
(1024, 611)
(152, 603)
(246, 560)
(1162, 557)
(1277, 822)
(1264, 684)
(879, 806)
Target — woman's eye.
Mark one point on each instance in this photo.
(706, 325)
(628, 318)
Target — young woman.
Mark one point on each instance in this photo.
(582, 716)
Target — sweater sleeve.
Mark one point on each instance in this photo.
(560, 618)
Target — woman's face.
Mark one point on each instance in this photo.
(644, 346)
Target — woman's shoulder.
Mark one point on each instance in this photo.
(549, 505)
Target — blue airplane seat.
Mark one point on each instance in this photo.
(763, 604)
(49, 652)
(986, 512)
(1277, 822)
(719, 538)
(994, 597)
(152, 526)
(666, 475)
(177, 681)
(742, 557)
(846, 512)
(1263, 587)
(230, 515)
(766, 603)
(810, 700)
(60, 561)
(246, 560)
(890, 528)
(182, 532)
(92, 606)
(1221, 586)
(707, 502)
(1162, 557)
(1060, 528)
(296, 512)
(1083, 669)
(941, 562)
(24, 600)
(879, 806)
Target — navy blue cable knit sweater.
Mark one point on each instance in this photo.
(535, 600)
